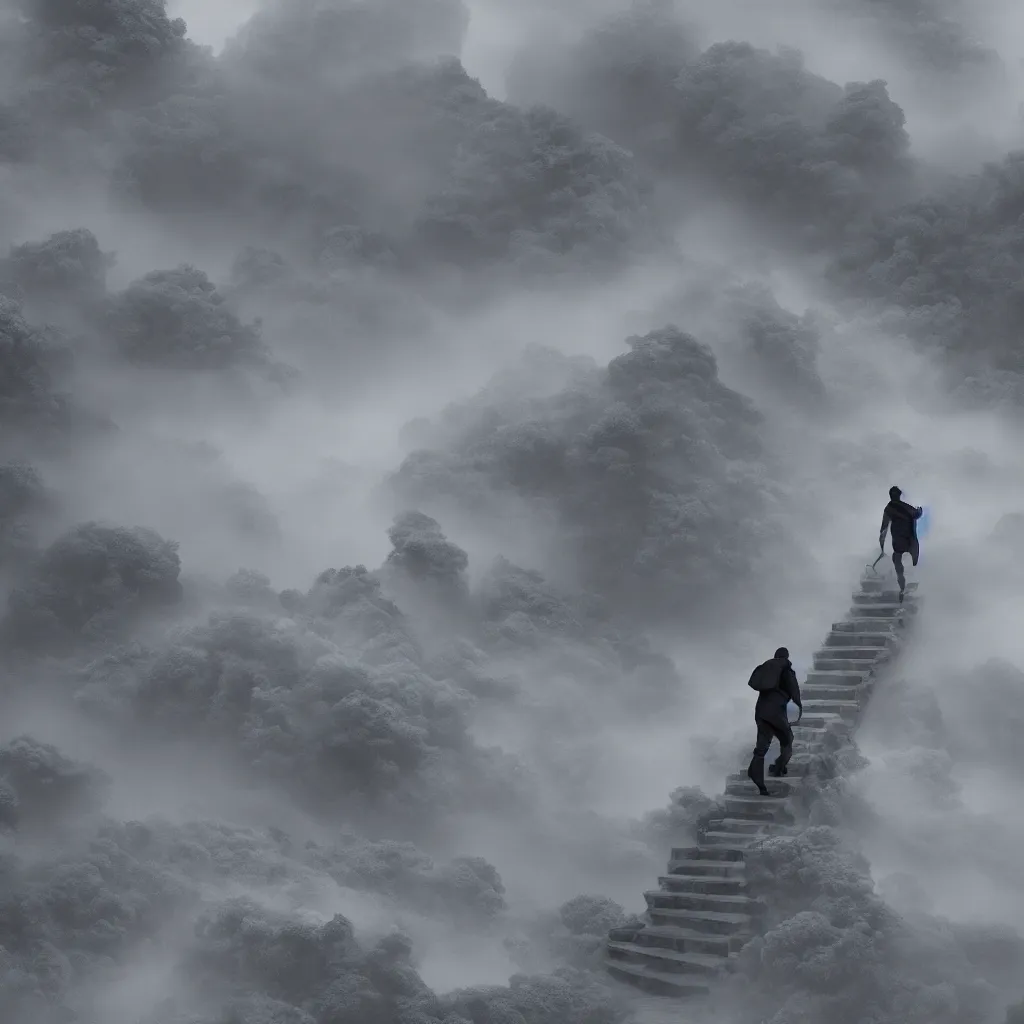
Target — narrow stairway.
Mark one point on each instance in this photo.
(701, 914)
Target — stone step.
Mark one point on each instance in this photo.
(892, 596)
(659, 983)
(758, 809)
(877, 613)
(708, 921)
(709, 853)
(700, 964)
(712, 903)
(862, 640)
(713, 869)
(870, 597)
(815, 730)
(836, 691)
(726, 840)
(868, 603)
(881, 585)
(816, 722)
(868, 659)
(835, 676)
(810, 751)
(799, 767)
(813, 705)
(862, 666)
(685, 940)
(721, 886)
(866, 623)
(751, 826)
(817, 745)
(852, 678)
(740, 785)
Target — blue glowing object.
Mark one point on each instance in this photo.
(923, 523)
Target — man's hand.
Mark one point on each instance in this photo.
(881, 542)
(800, 713)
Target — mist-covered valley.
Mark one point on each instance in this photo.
(417, 418)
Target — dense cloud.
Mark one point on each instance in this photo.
(833, 947)
(950, 261)
(32, 364)
(828, 163)
(23, 496)
(89, 586)
(177, 318)
(74, 58)
(636, 462)
(934, 36)
(67, 267)
(804, 152)
(468, 180)
(395, 481)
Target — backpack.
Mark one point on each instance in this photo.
(766, 676)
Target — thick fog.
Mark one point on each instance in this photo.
(416, 420)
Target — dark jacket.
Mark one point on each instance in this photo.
(901, 521)
(771, 704)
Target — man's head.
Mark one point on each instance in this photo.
(894, 493)
(782, 652)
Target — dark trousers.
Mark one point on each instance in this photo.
(768, 730)
(913, 549)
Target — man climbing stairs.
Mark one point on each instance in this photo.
(702, 913)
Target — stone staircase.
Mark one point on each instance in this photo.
(702, 913)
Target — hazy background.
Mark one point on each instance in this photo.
(416, 419)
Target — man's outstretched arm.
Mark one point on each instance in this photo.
(886, 519)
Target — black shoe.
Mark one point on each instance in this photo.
(756, 775)
(779, 773)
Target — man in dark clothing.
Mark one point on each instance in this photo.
(900, 519)
(773, 722)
